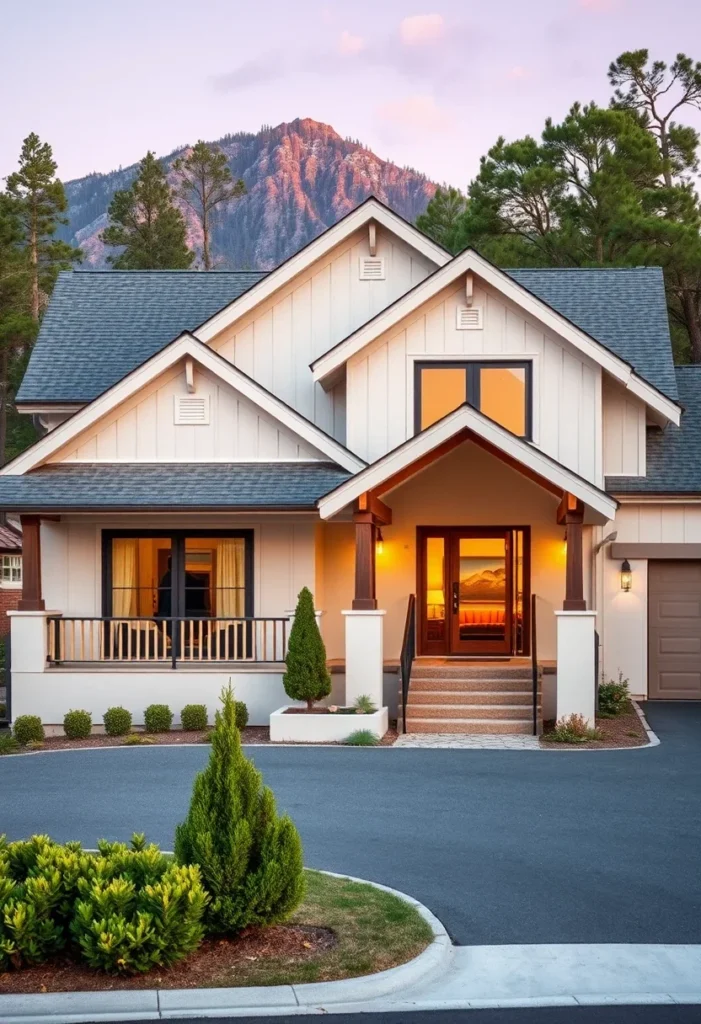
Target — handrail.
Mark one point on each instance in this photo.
(406, 658)
(534, 663)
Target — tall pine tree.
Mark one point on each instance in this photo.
(206, 182)
(147, 224)
(442, 217)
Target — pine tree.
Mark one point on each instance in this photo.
(205, 183)
(307, 676)
(145, 221)
(442, 216)
(40, 204)
(250, 859)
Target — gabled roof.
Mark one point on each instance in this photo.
(584, 288)
(469, 424)
(184, 346)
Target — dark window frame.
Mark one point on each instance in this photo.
(177, 542)
(472, 369)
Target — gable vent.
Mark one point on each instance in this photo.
(192, 409)
(372, 268)
(469, 318)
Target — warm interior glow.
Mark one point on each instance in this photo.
(443, 389)
(482, 547)
(435, 578)
(503, 396)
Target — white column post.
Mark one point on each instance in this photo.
(576, 673)
(29, 641)
(364, 654)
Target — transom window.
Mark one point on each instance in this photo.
(500, 390)
(11, 569)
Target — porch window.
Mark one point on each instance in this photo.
(500, 390)
(11, 570)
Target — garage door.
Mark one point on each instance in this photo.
(674, 624)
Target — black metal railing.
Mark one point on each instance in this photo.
(535, 670)
(596, 671)
(6, 677)
(406, 658)
(166, 641)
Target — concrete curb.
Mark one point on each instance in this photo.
(653, 739)
(165, 1004)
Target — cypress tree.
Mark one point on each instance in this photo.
(307, 677)
(250, 859)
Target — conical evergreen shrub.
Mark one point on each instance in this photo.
(307, 677)
(250, 859)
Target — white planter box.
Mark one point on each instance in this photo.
(324, 728)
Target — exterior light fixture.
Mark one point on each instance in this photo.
(626, 575)
(379, 543)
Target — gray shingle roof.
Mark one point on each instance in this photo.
(193, 486)
(100, 325)
(673, 454)
(623, 308)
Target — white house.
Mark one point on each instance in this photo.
(459, 461)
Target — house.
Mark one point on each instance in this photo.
(10, 571)
(489, 479)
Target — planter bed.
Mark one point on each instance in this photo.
(297, 725)
(343, 929)
(625, 730)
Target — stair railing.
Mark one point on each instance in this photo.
(534, 663)
(408, 653)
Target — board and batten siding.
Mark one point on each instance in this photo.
(566, 385)
(143, 428)
(624, 432)
(278, 340)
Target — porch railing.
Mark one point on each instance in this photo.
(406, 658)
(535, 667)
(166, 641)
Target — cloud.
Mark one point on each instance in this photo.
(420, 29)
(348, 43)
(415, 115)
(252, 72)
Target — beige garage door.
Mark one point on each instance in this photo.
(674, 623)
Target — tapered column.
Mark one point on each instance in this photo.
(571, 513)
(31, 600)
(365, 598)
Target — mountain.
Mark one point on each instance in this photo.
(489, 584)
(301, 178)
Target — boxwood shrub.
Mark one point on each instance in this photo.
(117, 721)
(241, 714)
(77, 725)
(158, 718)
(27, 728)
(193, 717)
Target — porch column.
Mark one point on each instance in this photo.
(571, 513)
(365, 540)
(576, 627)
(31, 600)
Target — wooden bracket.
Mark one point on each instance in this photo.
(190, 375)
(570, 510)
(369, 508)
(372, 238)
(468, 288)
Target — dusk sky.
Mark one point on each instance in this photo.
(427, 85)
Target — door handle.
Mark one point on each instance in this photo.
(456, 598)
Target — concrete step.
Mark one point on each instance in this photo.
(470, 726)
(471, 670)
(442, 684)
(494, 712)
(467, 697)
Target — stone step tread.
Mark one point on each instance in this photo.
(489, 685)
(467, 697)
(497, 712)
(467, 726)
(461, 672)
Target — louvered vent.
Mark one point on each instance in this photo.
(192, 409)
(372, 268)
(469, 318)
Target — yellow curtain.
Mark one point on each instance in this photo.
(124, 560)
(231, 578)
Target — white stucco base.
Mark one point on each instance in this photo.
(364, 655)
(324, 728)
(576, 683)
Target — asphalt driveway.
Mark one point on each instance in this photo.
(504, 846)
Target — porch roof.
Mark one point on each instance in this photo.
(467, 424)
(280, 486)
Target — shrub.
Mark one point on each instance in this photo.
(158, 718)
(614, 697)
(117, 721)
(307, 677)
(572, 730)
(241, 712)
(77, 725)
(364, 705)
(28, 727)
(193, 717)
(362, 738)
(8, 743)
(137, 739)
(250, 859)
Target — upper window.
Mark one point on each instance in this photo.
(11, 570)
(500, 390)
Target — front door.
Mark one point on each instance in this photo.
(472, 590)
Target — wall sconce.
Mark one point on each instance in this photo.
(626, 575)
(379, 543)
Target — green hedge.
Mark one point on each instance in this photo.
(77, 725)
(117, 721)
(158, 718)
(28, 729)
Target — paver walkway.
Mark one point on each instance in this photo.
(480, 741)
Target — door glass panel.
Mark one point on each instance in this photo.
(435, 588)
(502, 391)
(443, 389)
(482, 589)
(215, 577)
(141, 577)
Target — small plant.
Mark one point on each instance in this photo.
(117, 721)
(250, 859)
(614, 697)
(28, 727)
(34, 745)
(193, 717)
(362, 738)
(307, 677)
(364, 705)
(77, 725)
(158, 718)
(8, 743)
(241, 714)
(137, 739)
(574, 729)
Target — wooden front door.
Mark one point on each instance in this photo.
(473, 590)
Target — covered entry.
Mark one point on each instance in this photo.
(674, 630)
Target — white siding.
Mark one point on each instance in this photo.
(276, 343)
(566, 385)
(143, 429)
(624, 432)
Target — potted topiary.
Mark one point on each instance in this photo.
(307, 677)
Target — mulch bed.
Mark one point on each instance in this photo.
(214, 963)
(624, 730)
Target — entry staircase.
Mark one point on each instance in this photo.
(466, 696)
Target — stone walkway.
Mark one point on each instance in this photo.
(454, 741)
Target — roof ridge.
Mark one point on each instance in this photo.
(577, 270)
(180, 273)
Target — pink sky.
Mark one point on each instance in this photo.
(427, 85)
